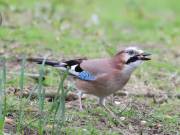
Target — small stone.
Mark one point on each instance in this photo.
(49, 126)
(84, 129)
(122, 118)
(143, 123)
(158, 125)
(117, 102)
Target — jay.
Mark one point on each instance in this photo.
(104, 76)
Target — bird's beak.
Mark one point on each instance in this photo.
(144, 56)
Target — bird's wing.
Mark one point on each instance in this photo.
(74, 68)
(97, 66)
(87, 69)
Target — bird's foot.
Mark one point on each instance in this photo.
(109, 111)
(113, 115)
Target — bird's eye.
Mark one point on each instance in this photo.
(131, 52)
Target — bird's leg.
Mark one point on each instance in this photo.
(80, 94)
(102, 103)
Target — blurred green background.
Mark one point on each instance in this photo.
(80, 26)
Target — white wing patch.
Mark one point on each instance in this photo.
(71, 70)
(73, 67)
(83, 75)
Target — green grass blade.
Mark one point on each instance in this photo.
(2, 94)
(41, 99)
(59, 106)
(21, 85)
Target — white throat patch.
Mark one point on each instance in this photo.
(128, 69)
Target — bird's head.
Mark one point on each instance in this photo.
(132, 57)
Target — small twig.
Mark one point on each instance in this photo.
(26, 74)
(48, 94)
(149, 95)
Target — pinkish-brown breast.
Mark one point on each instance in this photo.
(105, 84)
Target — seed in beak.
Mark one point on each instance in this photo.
(143, 56)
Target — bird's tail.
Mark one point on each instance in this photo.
(46, 62)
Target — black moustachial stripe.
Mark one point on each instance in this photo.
(132, 59)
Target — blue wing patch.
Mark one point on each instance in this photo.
(85, 75)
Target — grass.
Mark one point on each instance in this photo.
(56, 110)
(21, 85)
(3, 104)
(72, 29)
